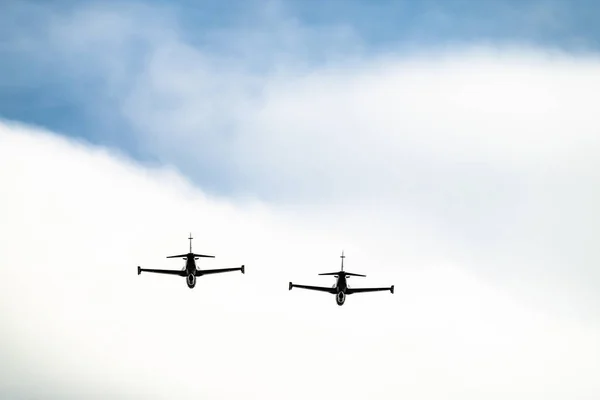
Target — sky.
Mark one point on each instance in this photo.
(449, 148)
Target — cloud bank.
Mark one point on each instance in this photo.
(467, 176)
(493, 146)
(78, 321)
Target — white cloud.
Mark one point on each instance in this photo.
(503, 108)
(77, 320)
(495, 147)
(467, 177)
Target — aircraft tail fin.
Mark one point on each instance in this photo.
(190, 254)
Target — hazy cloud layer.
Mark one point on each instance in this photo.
(77, 320)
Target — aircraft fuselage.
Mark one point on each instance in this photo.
(190, 268)
(341, 286)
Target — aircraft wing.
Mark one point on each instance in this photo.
(217, 271)
(364, 290)
(317, 288)
(163, 271)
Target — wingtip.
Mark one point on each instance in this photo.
(392, 289)
(290, 286)
(243, 269)
(139, 270)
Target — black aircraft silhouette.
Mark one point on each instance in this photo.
(190, 271)
(341, 288)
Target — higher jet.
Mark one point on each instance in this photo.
(190, 271)
(341, 288)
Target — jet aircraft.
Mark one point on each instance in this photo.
(190, 271)
(341, 288)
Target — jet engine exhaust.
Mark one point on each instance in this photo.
(191, 281)
(340, 298)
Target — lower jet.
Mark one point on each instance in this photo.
(341, 288)
(190, 272)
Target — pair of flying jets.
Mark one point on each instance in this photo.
(341, 288)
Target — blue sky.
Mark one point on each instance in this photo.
(46, 82)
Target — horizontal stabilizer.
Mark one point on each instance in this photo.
(190, 254)
(342, 273)
(351, 274)
(203, 255)
(179, 256)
